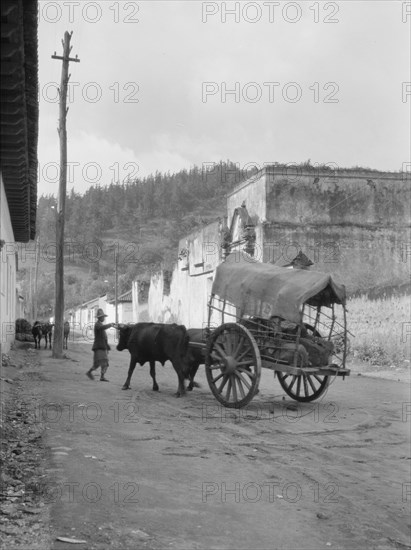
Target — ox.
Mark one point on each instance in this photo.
(37, 334)
(151, 342)
(66, 332)
(42, 329)
(47, 332)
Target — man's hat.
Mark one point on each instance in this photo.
(100, 313)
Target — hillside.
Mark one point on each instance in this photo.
(140, 220)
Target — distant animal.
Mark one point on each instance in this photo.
(47, 332)
(37, 334)
(42, 329)
(151, 342)
(66, 334)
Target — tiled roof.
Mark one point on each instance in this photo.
(126, 297)
(19, 113)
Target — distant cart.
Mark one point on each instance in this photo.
(290, 321)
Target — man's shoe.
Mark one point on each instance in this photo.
(88, 373)
(102, 379)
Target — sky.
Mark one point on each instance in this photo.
(163, 86)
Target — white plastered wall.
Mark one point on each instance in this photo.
(8, 267)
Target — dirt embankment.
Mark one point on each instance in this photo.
(24, 516)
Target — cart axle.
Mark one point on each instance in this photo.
(230, 364)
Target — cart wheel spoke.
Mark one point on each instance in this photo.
(248, 372)
(298, 385)
(217, 378)
(240, 385)
(310, 381)
(239, 345)
(244, 353)
(233, 380)
(223, 383)
(228, 394)
(243, 380)
(248, 363)
(226, 344)
(306, 392)
(293, 382)
(220, 350)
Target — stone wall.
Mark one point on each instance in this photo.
(341, 197)
(354, 224)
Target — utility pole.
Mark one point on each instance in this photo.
(31, 297)
(36, 300)
(61, 202)
(116, 284)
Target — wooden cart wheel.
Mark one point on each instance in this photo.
(306, 387)
(233, 365)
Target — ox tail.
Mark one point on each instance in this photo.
(184, 351)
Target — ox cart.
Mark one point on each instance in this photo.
(290, 321)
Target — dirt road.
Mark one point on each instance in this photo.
(142, 469)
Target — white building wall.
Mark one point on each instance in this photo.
(84, 315)
(191, 281)
(186, 303)
(135, 304)
(8, 267)
(143, 313)
(110, 311)
(158, 305)
(139, 311)
(126, 312)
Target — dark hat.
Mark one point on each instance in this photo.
(100, 313)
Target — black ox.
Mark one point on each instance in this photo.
(42, 329)
(47, 329)
(151, 342)
(37, 333)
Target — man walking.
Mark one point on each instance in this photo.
(100, 346)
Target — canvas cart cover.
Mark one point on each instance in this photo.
(264, 290)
